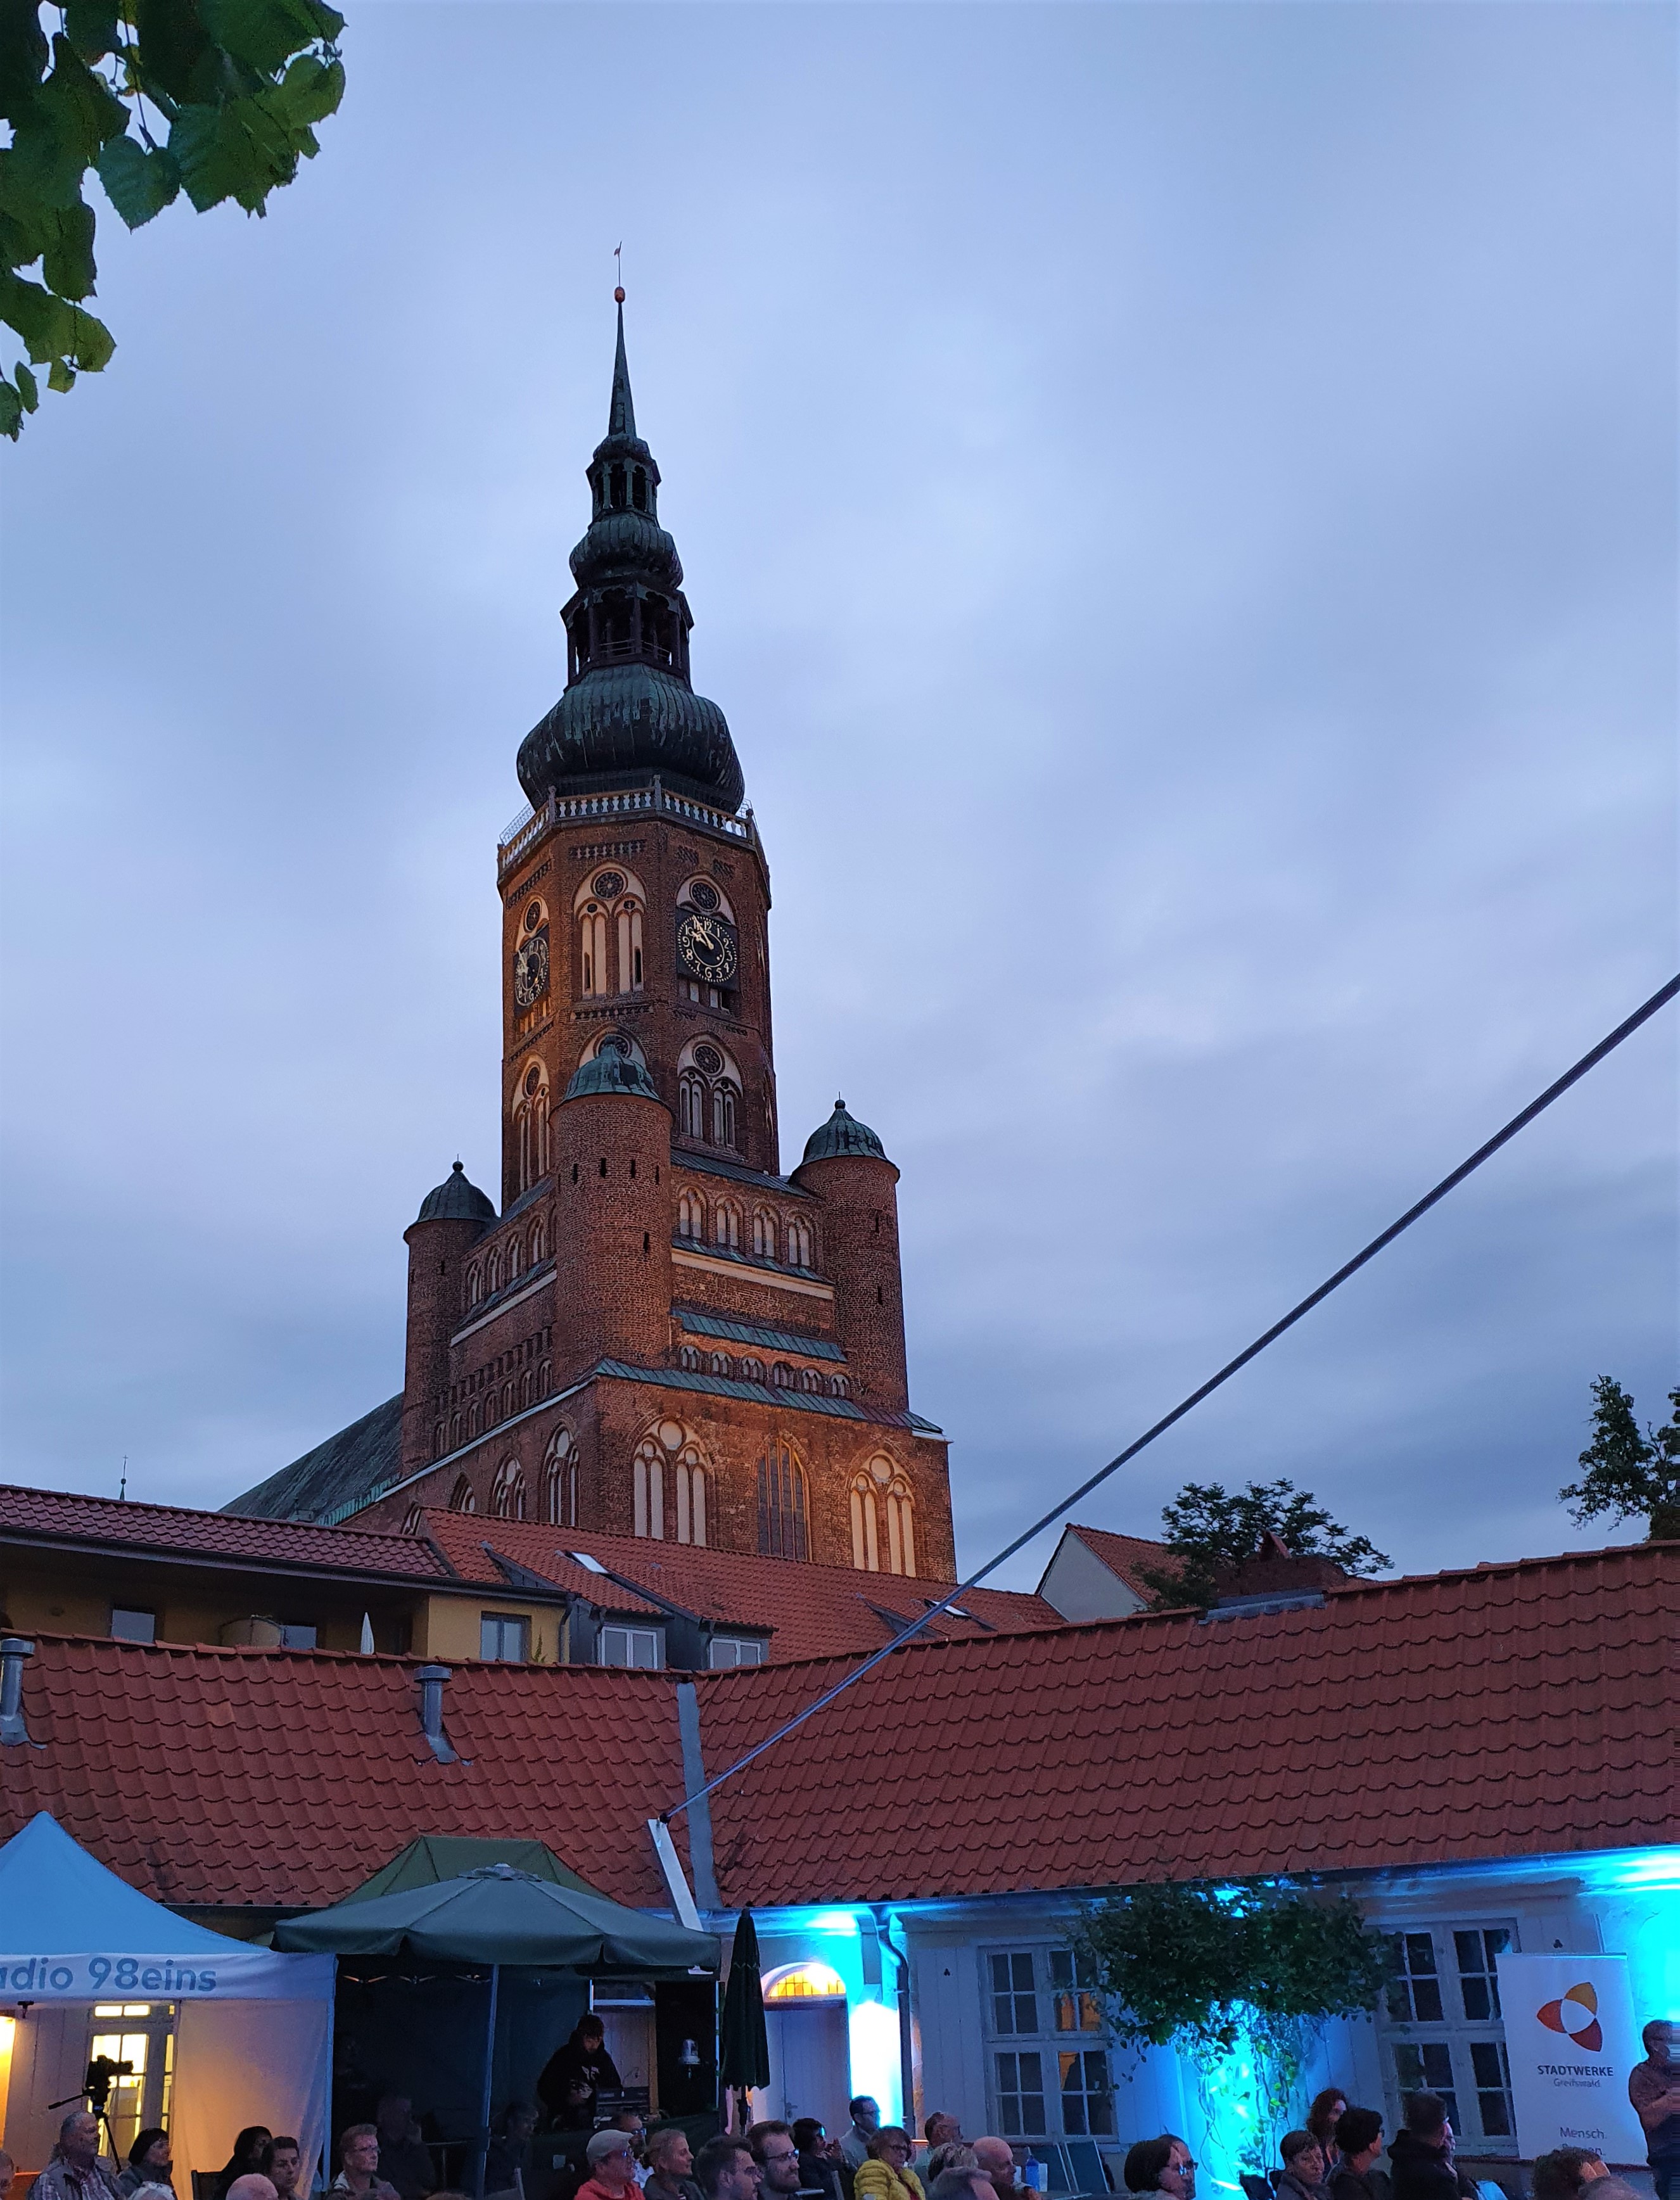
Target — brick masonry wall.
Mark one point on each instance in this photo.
(860, 1239)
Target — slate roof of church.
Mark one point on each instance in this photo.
(997, 1764)
(343, 1469)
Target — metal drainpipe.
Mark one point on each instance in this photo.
(12, 1651)
(431, 1679)
(884, 1922)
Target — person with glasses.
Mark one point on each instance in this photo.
(1161, 2165)
(887, 2175)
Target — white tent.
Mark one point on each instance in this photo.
(252, 2031)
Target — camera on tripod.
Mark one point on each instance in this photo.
(98, 2083)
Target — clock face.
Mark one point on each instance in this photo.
(707, 946)
(531, 968)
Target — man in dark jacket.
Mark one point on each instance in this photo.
(582, 2062)
(1359, 2140)
(1421, 2158)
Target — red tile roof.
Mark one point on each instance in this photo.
(1521, 1710)
(62, 1517)
(1125, 1555)
(1515, 1710)
(285, 1778)
(814, 1610)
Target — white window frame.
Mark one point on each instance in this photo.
(1048, 1993)
(500, 1622)
(616, 1637)
(729, 1650)
(1456, 2031)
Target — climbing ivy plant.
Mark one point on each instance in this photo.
(1240, 1978)
(215, 99)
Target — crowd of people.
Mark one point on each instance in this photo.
(1335, 2156)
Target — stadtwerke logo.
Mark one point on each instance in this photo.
(1575, 2014)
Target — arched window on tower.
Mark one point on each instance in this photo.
(474, 1285)
(690, 1216)
(689, 1358)
(726, 1224)
(799, 1243)
(763, 1233)
(461, 1499)
(592, 948)
(883, 1519)
(492, 1275)
(537, 1245)
(507, 1491)
(668, 1489)
(691, 1104)
(530, 1139)
(560, 1480)
(629, 944)
(725, 1103)
(781, 1503)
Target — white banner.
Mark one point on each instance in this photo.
(1570, 2033)
(244, 1974)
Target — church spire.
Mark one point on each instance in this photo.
(621, 415)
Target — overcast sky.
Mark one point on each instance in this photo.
(1179, 510)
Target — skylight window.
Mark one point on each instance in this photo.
(589, 1566)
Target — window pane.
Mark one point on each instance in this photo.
(1015, 2003)
(131, 1626)
(1491, 2070)
(1476, 1950)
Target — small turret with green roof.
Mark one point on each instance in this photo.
(843, 1134)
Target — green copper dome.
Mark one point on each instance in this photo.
(629, 712)
(456, 1200)
(843, 1134)
(609, 1071)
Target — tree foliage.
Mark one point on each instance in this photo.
(1629, 1472)
(216, 99)
(1210, 1531)
(1190, 1961)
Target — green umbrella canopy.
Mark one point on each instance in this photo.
(447, 1856)
(743, 2044)
(496, 1915)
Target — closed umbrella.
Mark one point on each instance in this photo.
(497, 1915)
(744, 2047)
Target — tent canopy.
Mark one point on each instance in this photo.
(497, 1915)
(434, 1857)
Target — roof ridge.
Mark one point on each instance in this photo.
(130, 1504)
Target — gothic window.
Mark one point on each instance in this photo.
(507, 1491)
(782, 1375)
(668, 1486)
(782, 1504)
(763, 1233)
(411, 1521)
(544, 1379)
(691, 1217)
(537, 1251)
(629, 945)
(472, 1418)
(809, 1379)
(799, 1243)
(530, 1139)
(752, 1371)
(592, 948)
(492, 1275)
(726, 1224)
(456, 1432)
(461, 1499)
(689, 1358)
(724, 1098)
(691, 1105)
(507, 1400)
(839, 1387)
(440, 1436)
(720, 1363)
(527, 1388)
(515, 1259)
(883, 1525)
(559, 1481)
(474, 1285)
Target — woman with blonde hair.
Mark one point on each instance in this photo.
(886, 2175)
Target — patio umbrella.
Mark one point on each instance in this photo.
(497, 1915)
(743, 2044)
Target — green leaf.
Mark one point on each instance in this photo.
(87, 109)
(67, 262)
(172, 45)
(241, 151)
(262, 33)
(91, 26)
(138, 184)
(42, 321)
(26, 387)
(91, 342)
(311, 90)
(11, 411)
(61, 376)
(23, 56)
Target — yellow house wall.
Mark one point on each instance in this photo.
(448, 1626)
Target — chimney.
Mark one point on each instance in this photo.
(1274, 1579)
(431, 1679)
(13, 1652)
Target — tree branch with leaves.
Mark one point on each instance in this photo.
(214, 98)
(1630, 1472)
(1211, 1531)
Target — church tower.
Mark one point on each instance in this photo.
(660, 1334)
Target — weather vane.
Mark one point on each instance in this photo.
(618, 270)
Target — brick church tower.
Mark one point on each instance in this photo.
(658, 1334)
